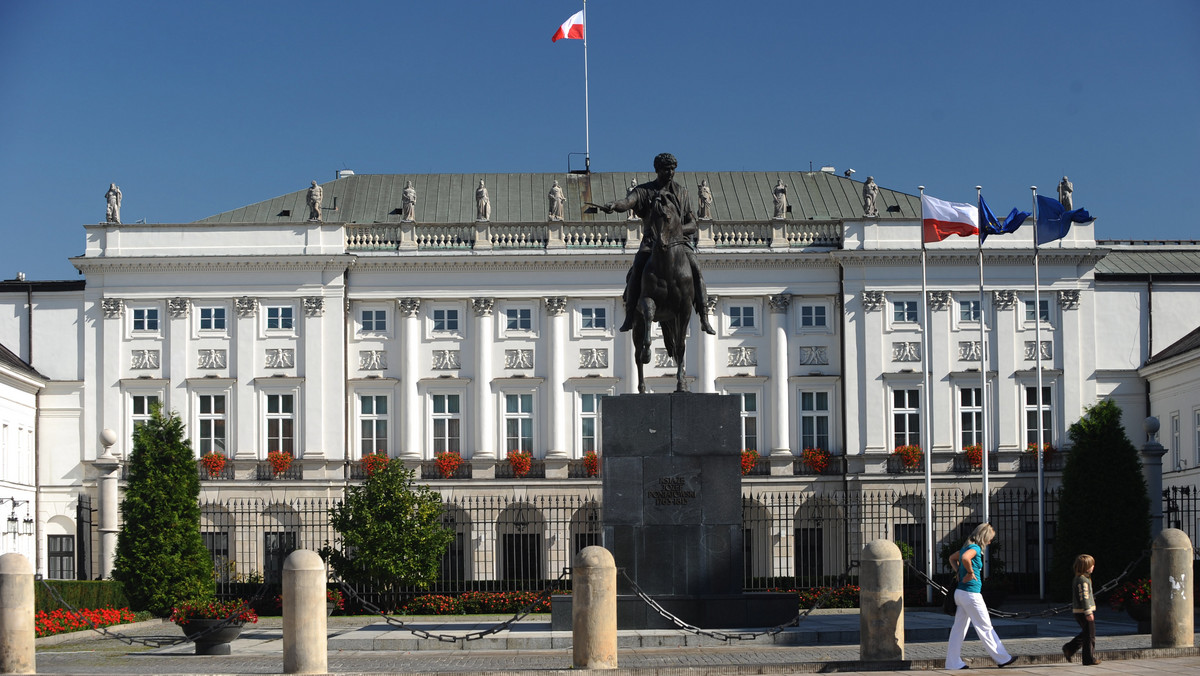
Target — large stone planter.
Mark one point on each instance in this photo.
(1141, 613)
(211, 641)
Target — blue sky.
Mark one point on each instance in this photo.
(195, 108)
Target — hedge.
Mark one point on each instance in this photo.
(80, 594)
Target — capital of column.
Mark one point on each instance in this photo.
(556, 305)
(483, 306)
(780, 303)
(408, 307)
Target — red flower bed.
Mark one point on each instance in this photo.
(469, 603)
(213, 463)
(61, 621)
(910, 456)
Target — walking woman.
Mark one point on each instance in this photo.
(967, 564)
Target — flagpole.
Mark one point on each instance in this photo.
(983, 420)
(587, 132)
(1037, 350)
(926, 411)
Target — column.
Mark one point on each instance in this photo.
(781, 452)
(556, 450)
(708, 354)
(409, 406)
(243, 367)
(483, 460)
(108, 471)
(320, 413)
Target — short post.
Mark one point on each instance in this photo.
(1152, 455)
(16, 615)
(1171, 588)
(594, 609)
(305, 639)
(881, 602)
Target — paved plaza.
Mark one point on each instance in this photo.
(824, 642)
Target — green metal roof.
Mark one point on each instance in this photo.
(1143, 258)
(522, 198)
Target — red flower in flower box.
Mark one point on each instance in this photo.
(374, 462)
(521, 461)
(213, 463)
(749, 460)
(280, 461)
(817, 459)
(591, 463)
(447, 463)
(974, 455)
(910, 455)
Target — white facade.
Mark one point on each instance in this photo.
(19, 388)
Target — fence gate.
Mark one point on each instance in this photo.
(83, 537)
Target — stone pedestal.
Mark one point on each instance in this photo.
(594, 616)
(881, 602)
(305, 635)
(1171, 589)
(672, 513)
(16, 615)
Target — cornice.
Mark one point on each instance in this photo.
(213, 263)
(585, 259)
(855, 257)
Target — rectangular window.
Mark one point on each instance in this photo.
(140, 405)
(519, 319)
(280, 317)
(1175, 449)
(904, 311)
(518, 422)
(281, 423)
(145, 319)
(906, 417)
(741, 316)
(447, 423)
(814, 420)
(212, 423)
(1032, 416)
(589, 422)
(812, 316)
(970, 416)
(968, 311)
(374, 320)
(212, 319)
(1044, 310)
(445, 320)
(373, 423)
(217, 545)
(749, 421)
(594, 317)
(60, 557)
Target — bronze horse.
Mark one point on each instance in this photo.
(667, 290)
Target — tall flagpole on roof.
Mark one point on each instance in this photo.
(926, 409)
(587, 132)
(983, 418)
(1040, 416)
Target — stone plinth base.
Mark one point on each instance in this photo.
(729, 611)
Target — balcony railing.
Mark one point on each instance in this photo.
(960, 464)
(429, 470)
(1051, 462)
(895, 465)
(263, 471)
(835, 466)
(226, 473)
(537, 470)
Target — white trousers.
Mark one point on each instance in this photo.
(972, 611)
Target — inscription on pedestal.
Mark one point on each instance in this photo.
(672, 491)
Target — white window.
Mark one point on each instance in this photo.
(211, 423)
(280, 318)
(60, 560)
(590, 405)
(814, 420)
(970, 416)
(518, 422)
(749, 401)
(212, 319)
(1032, 416)
(1043, 310)
(374, 321)
(1175, 450)
(145, 319)
(904, 312)
(373, 419)
(813, 316)
(140, 406)
(445, 320)
(518, 319)
(446, 423)
(741, 317)
(906, 417)
(593, 318)
(281, 423)
(968, 311)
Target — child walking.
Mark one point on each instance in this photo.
(1084, 606)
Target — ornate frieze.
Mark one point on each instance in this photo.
(483, 306)
(446, 360)
(246, 306)
(593, 358)
(518, 359)
(211, 359)
(178, 307)
(662, 359)
(556, 305)
(1047, 350)
(281, 357)
(114, 308)
(314, 306)
(408, 307)
(1069, 299)
(906, 351)
(743, 356)
(1004, 299)
(779, 303)
(968, 350)
(939, 300)
(814, 356)
(145, 359)
(873, 301)
(711, 306)
(372, 360)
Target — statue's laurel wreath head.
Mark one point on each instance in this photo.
(665, 161)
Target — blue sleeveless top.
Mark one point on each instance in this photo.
(976, 565)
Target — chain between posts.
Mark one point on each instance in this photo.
(1049, 612)
(731, 636)
(150, 642)
(452, 638)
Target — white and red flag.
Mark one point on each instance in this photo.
(572, 29)
(942, 219)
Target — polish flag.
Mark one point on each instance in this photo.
(572, 29)
(942, 219)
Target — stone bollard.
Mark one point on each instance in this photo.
(594, 609)
(16, 615)
(305, 639)
(881, 602)
(1171, 588)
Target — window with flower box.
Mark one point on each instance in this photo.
(518, 422)
(814, 419)
(906, 417)
(970, 416)
(281, 423)
(446, 423)
(211, 423)
(1032, 415)
(373, 418)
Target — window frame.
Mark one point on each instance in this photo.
(975, 410)
(826, 310)
(141, 312)
(213, 309)
(518, 307)
(293, 317)
(815, 414)
(578, 316)
(1047, 320)
(532, 441)
(741, 304)
(61, 555)
(432, 416)
(1029, 436)
(430, 323)
(211, 416)
(596, 416)
(360, 417)
(374, 331)
(913, 415)
(132, 418)
(265, 415)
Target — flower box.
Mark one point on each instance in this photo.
(213, 463)
(909, 456)
(591, 463)
(749, 460)
(447, 463)
(280, 461)
(816, 459)
(521, 462)
(374, 462)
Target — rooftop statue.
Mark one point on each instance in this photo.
(408, 202)
(556, 202)
(704, 213)
(314, 197)
(1065, 188)
(483, 205)
(781, 204)
(870, 196)
(113, 198)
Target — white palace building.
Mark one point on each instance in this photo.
(437, 326)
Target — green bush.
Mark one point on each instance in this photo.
(80, 594)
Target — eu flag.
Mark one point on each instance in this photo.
(989, 225)
(1053, 219)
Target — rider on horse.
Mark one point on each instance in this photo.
(641, 200)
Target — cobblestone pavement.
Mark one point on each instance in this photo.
(259, 651)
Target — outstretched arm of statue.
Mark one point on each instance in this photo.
(620, 205)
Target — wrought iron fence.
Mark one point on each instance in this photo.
(1181, 509)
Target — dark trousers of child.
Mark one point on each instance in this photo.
(1086, 640)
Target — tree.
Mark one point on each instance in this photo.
(1103, 509)
(161, 558)
(390, 530)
